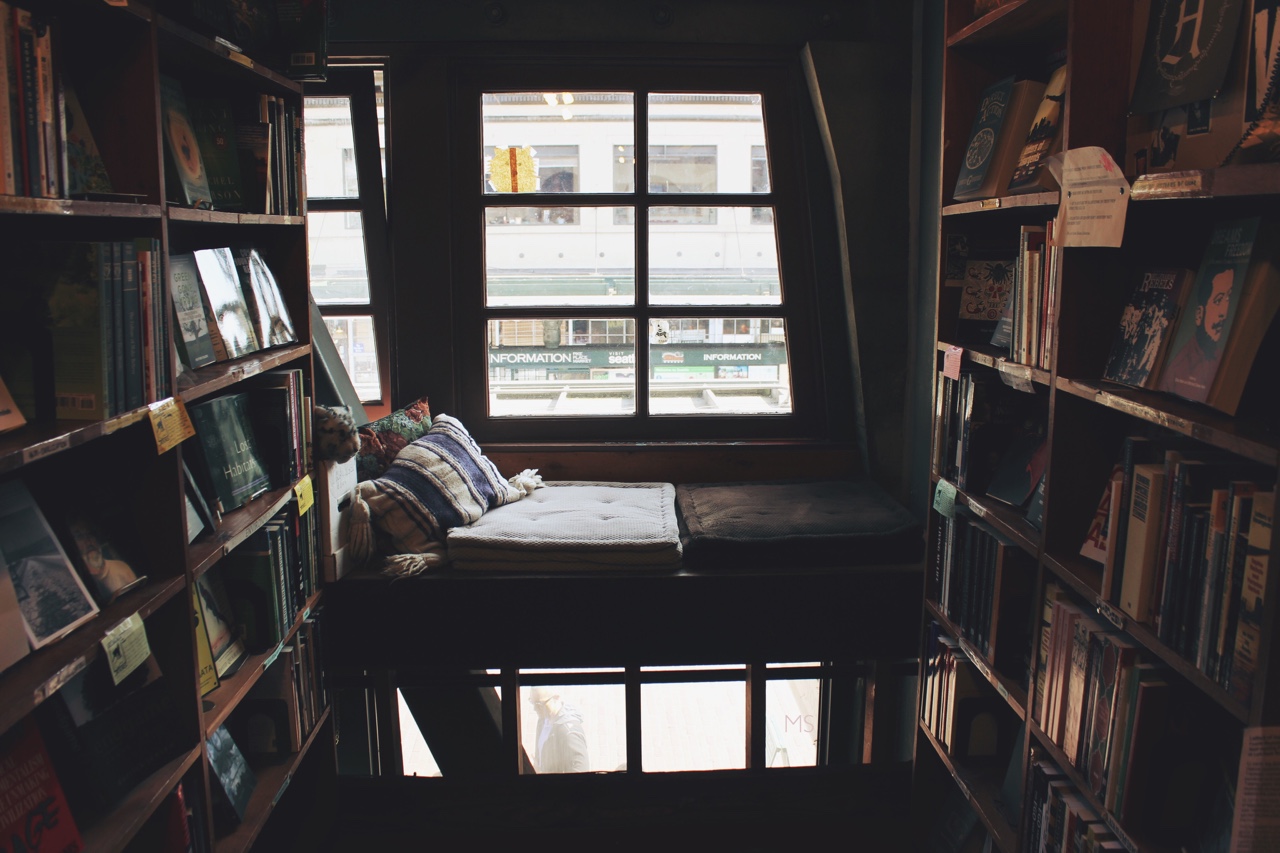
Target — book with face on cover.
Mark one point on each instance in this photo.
(231, 326)
(271, 320)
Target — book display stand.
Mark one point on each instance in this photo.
(1106, 638)
(136, 454)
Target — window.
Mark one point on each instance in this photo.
(649, 296)
(346, 221)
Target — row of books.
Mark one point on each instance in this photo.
(983, 583)
(957, 705)
(90, 330)
(1123, 722)
(989, 437)
(44, 149)
(249, 442)
(1184, 537)
(1016, 129)
(240, 154)
(1196, 333)
(227, 304)
(251, 604)
(1062, 819)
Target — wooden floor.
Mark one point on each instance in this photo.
(792, 809)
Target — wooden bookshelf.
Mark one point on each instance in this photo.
(115, 53)
(1087, 419)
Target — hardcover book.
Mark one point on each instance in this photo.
(272, 323)
(999, 128)
(1146, 327)
(233, 779)
(215, 131)
(81, 303)
(195, 345)
(86, 172)
(184, 160)
(231, 328)
(1205, 326)
(1043, 140)
(52, 597)
(112, 575)
(220, 623)
(232, 466)
(36, 816)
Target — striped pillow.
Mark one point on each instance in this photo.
(438, 482)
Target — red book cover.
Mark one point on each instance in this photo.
(34, 815)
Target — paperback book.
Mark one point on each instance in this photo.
(230, 327)
(1146, 327)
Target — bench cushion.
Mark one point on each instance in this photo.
(794, 524)
(574, 526)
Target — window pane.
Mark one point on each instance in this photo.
(590, 261)
(728, 366)
(531, 139)
(691, 134)
(578, 728)
(358, 349)
(415, 755)
(698, 726)
(335, 243)
(330, 161)
(562, 367)
(791, 722)
(730, 260)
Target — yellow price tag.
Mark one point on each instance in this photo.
(171, 423)
(305, 493)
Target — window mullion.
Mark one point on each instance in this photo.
(641, 150)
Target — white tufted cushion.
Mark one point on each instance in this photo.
(574, 526)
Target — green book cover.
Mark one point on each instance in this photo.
(229, 448)
(194, 342)
(215, 130)
(81, 323)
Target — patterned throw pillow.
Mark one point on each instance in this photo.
(440, 481)
(381, 440)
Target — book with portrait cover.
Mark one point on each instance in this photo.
(195, 345)
(1000, 124)
(272, 322)
(111, 574)
(183, 161)
(1146, 327)
(1044, 139)
(36, 815)
(219, 620)
(1234, 255)
(230, 327)
(53, 599)
(230, 462)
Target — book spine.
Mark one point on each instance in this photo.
(46, 96)
(7, 111)
(28, 113)
(130, 289)
(1253, 597)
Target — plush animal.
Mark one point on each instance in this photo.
(334, 433)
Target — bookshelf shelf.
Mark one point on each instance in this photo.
(1250, 440)
(1095, 430)
(213, 378)
(63, 207)
(1017, 203)
(980, 789)
(237, 526)
(114, 832)
(41, 673)
(273, 779)
(1010, 21)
